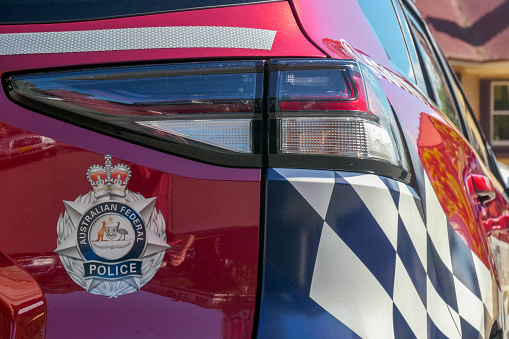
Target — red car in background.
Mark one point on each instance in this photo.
(240, 168)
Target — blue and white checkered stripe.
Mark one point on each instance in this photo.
(383, 265)
(501, 254)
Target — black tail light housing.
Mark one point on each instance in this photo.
(332, 114)
(318, 113)
(210, 111)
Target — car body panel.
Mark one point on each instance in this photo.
(22, 309)
(275, 18)
(212, 213)
(364, 251)
(446, 156)
(209, 273)
(404, 97)
(343, 253)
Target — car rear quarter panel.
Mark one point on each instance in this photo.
(442, 149)
(444, 157)
(278, 17)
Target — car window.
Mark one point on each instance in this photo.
(414, 58)
(37, 11)
(384, 22)
(438, 91)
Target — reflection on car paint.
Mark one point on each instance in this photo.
(344, 50)
(22, 312)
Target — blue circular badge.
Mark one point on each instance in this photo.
(111, 232)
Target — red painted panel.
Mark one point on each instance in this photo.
(289, 40)
(325, 20)
(206, 285)
(22, 311)
(448, 169)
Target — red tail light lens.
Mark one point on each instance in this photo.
(335, 89)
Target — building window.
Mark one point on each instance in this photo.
(500, 113)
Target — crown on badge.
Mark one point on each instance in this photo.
(109, 179)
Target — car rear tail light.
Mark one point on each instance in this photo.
(332, 114)
(192, 109)
(322, 113)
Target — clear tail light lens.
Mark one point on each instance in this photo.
(233, 135)
(331, 108)
(346, 137)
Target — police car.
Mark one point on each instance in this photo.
(243, 168)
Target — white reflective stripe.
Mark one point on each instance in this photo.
(136, 38)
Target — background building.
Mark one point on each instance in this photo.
(474, 36)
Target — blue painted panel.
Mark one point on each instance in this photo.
(401, 328)
(434, 332)
(467, 331)
(350, 218)
(411, 261)
(293, 232)
(463, 263)
(287, 313)
(446, 280)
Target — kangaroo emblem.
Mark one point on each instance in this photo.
(100, 234)
(121, 231)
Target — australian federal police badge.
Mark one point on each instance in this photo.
(111, 241)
